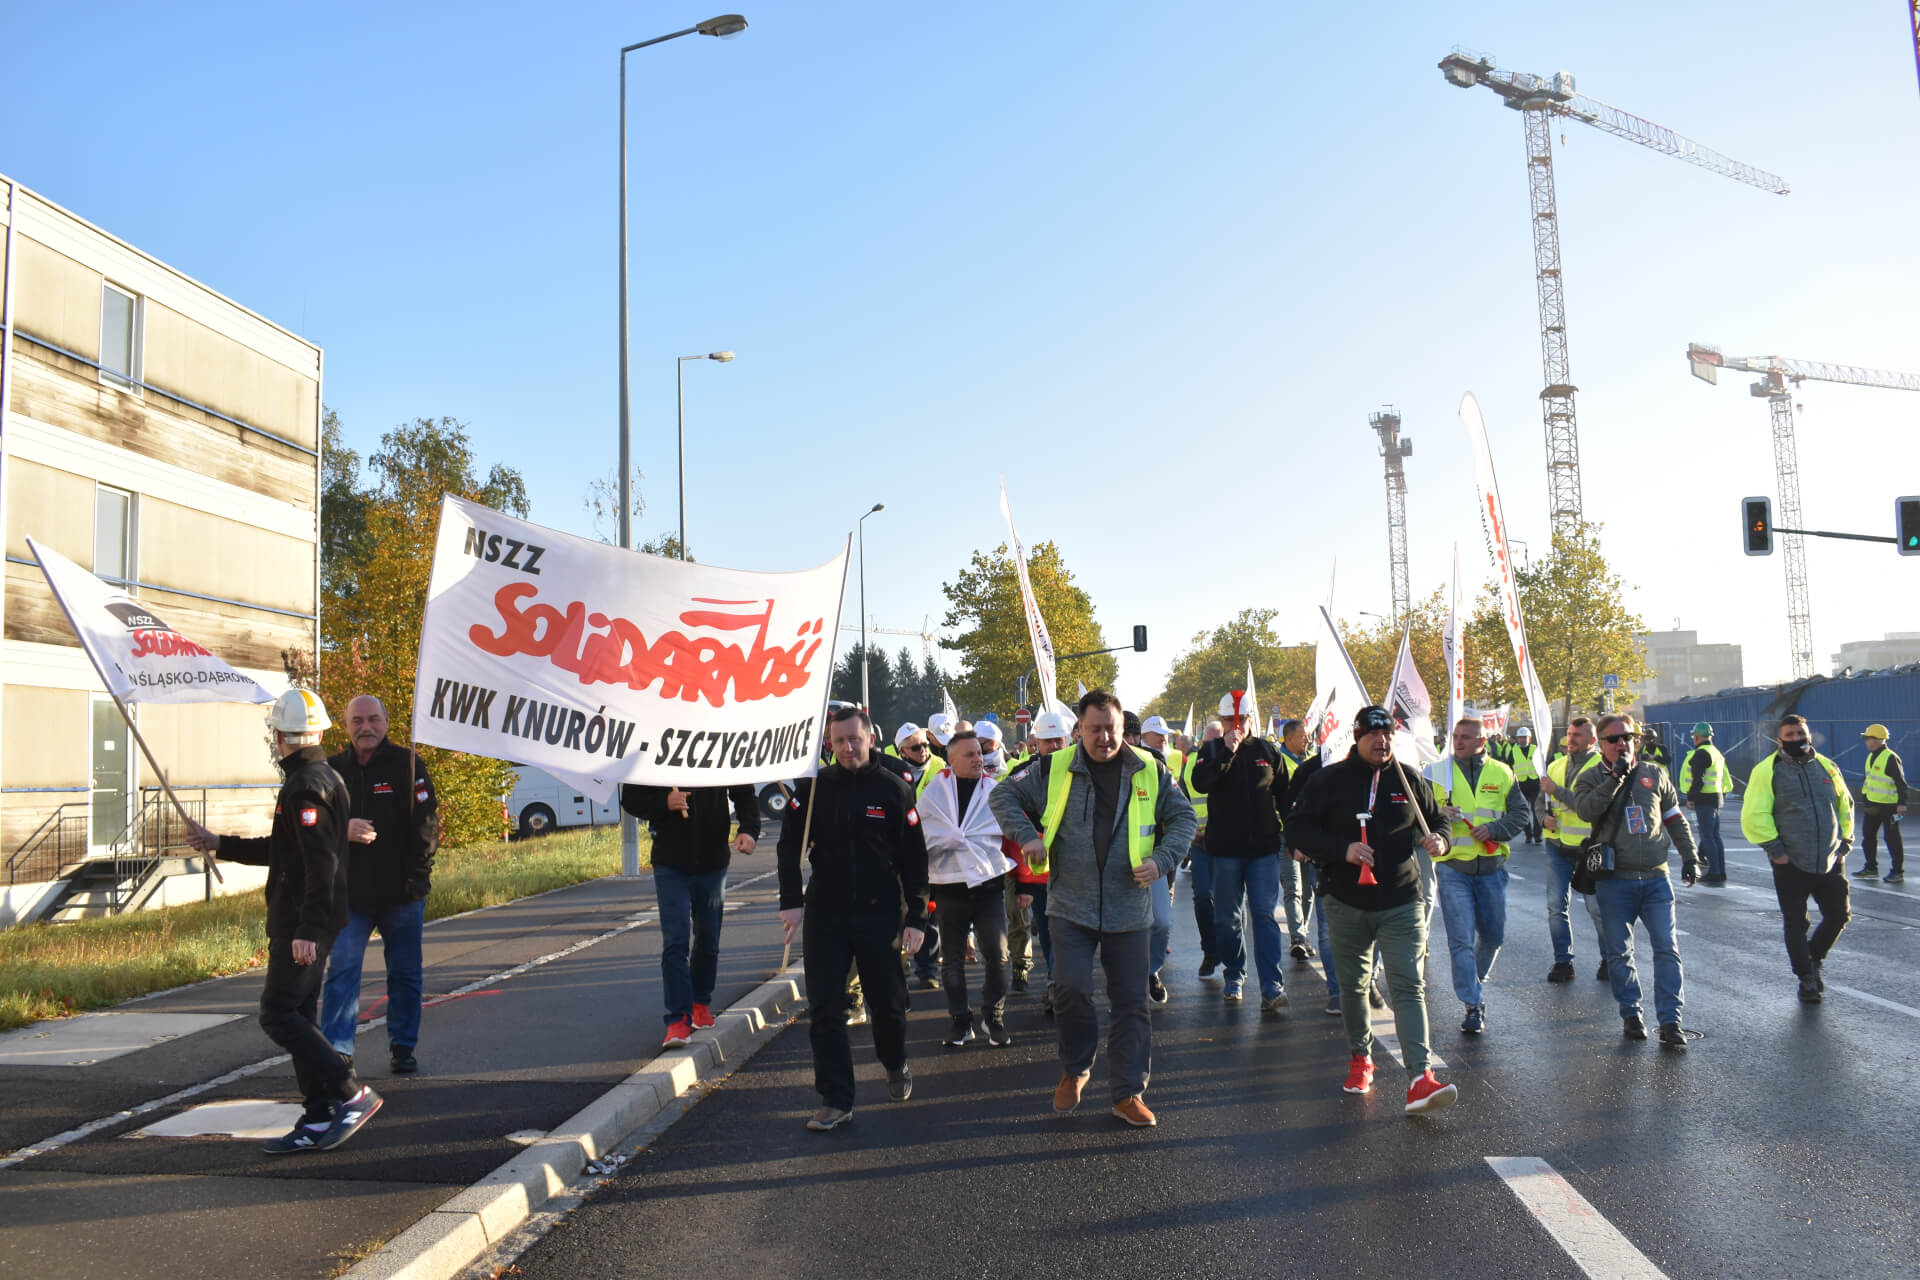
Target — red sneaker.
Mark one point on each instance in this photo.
(678, 1033)
(702, 1017)
(1428, 1094)
(1359, 1074)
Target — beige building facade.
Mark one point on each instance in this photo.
(168, 439)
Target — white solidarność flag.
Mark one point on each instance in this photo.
(139, 657)
(605, 666)
(1257, 722)
(1338, 692)
(946, 705)
(1189, 727)
(1493, 523)
(1036, 625)
(1453, 647)
(1411, 707)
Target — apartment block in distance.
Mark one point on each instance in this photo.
(1685, 668)
(168, 439)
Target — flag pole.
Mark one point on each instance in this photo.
(213, 863)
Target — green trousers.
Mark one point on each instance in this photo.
(1019, 930)
(1400, 937)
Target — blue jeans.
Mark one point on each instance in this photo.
(1201, 874)
(690, 912)
(1712, 847)
(400, 940)
(1475, 909)
(1559, 889)
(1161, 935)
(1258, 879)
(1650, 902)
(1320, 927)
(1037, 914)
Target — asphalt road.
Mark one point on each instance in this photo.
(1783, 1144)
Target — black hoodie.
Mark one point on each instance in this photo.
(1323, 822)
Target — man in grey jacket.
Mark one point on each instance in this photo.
(1637, 821)
(1798, 810)
(1108, 823)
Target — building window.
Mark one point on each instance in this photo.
(113, 540)
(120, 314)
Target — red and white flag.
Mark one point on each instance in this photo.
(1036, 625)
(1453, 647)
(1338, 694)
(1411, 708)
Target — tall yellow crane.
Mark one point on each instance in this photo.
(1779, 378)
(1539, 99)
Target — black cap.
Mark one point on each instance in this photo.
(1130, 722)
(1371, 718)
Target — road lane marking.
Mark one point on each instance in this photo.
(1893, 1005)
(22, 1154)
(1593, 1243)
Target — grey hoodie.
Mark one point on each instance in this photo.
(1077, 890)
(1642, 853)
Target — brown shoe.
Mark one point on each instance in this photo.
(1066, 1096)
(1134, 1111)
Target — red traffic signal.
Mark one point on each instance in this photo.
(1756, 515)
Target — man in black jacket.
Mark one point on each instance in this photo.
(1245, 780)
(306, 859)
(691, 852)
(867, 898)
(1360, 820)
(392, 833)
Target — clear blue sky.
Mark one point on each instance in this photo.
(1156, 267)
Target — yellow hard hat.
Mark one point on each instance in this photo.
(1876, 731)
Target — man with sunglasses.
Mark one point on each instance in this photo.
(1799, 812)
(1637, 821)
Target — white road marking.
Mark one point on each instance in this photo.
(1593, 1243)
(1857, 993)
(22, 1154)
(231, 1118)
(91, 1038)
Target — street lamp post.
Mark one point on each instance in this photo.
(860, 526)
(727, 24)
(680, 413)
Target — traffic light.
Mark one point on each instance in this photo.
(1140, 633)
(1757, 517)
(1906, 524)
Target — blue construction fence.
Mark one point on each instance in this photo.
(1837, 708)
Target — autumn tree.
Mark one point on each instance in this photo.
(1216, 661)
(983, 606)
(1578, 627)
(377, 536)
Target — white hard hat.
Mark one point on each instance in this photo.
(1244, 708)
(1156, 724)
(938, 721)
(987, 731)
(1523, 732)
(1052, 724)
(299, 711)
(904, 732)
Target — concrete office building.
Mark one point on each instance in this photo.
(1896, 650)
(166, 438)
(1685, 668)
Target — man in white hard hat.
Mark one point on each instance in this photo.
(306, 859)
(939, 733)
(910, 744)
(993, 751)
(1245, 779)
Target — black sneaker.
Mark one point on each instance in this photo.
(1561, 972)
(960, 1033)
(927, 982)
(900, 1083)
(1810, 989)
(1208, 963)
(1476, 1020)
(1046, 1001)
(348, 1117)
(1634, 1026)
(996, 1032)
(1600, 974)
(1019, 984)
(1672, 1037)
(302, 1137)
(1716, 880)
(1867, 872)
(1820, 974)
(403, 1062)
(1301, 951)
(1895, 877)
(1156, 989)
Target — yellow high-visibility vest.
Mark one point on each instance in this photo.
(1878, 788)
(1142, 805)
(1483, 804)
(1716, 782)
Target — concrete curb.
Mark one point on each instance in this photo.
(446, 1241)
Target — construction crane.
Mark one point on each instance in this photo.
(926, 637)
(1539, 99)
(1395, 450)
(1779, 378)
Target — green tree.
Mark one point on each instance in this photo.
(343, 506)
(382, 552)
(1578, 625)
(983, 606)
(603, 507)
(1216, 661)
(881, 685)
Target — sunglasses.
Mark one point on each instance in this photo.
(1618, 737)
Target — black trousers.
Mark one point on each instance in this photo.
(1878, 818)
(289, 1014)
(983, 911)
(830, 944)
(1829, 892)
(1531, 790)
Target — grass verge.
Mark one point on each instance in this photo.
(50, 971)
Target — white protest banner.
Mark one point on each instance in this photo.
(1257, 722)
(1036, 625)
(1493, 719)
(139, 657)
(1453, 647)
(1493, 523)
(1338, 692)
(946, 705)
(1411, 707)
(1189, 727)
(613, 666)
